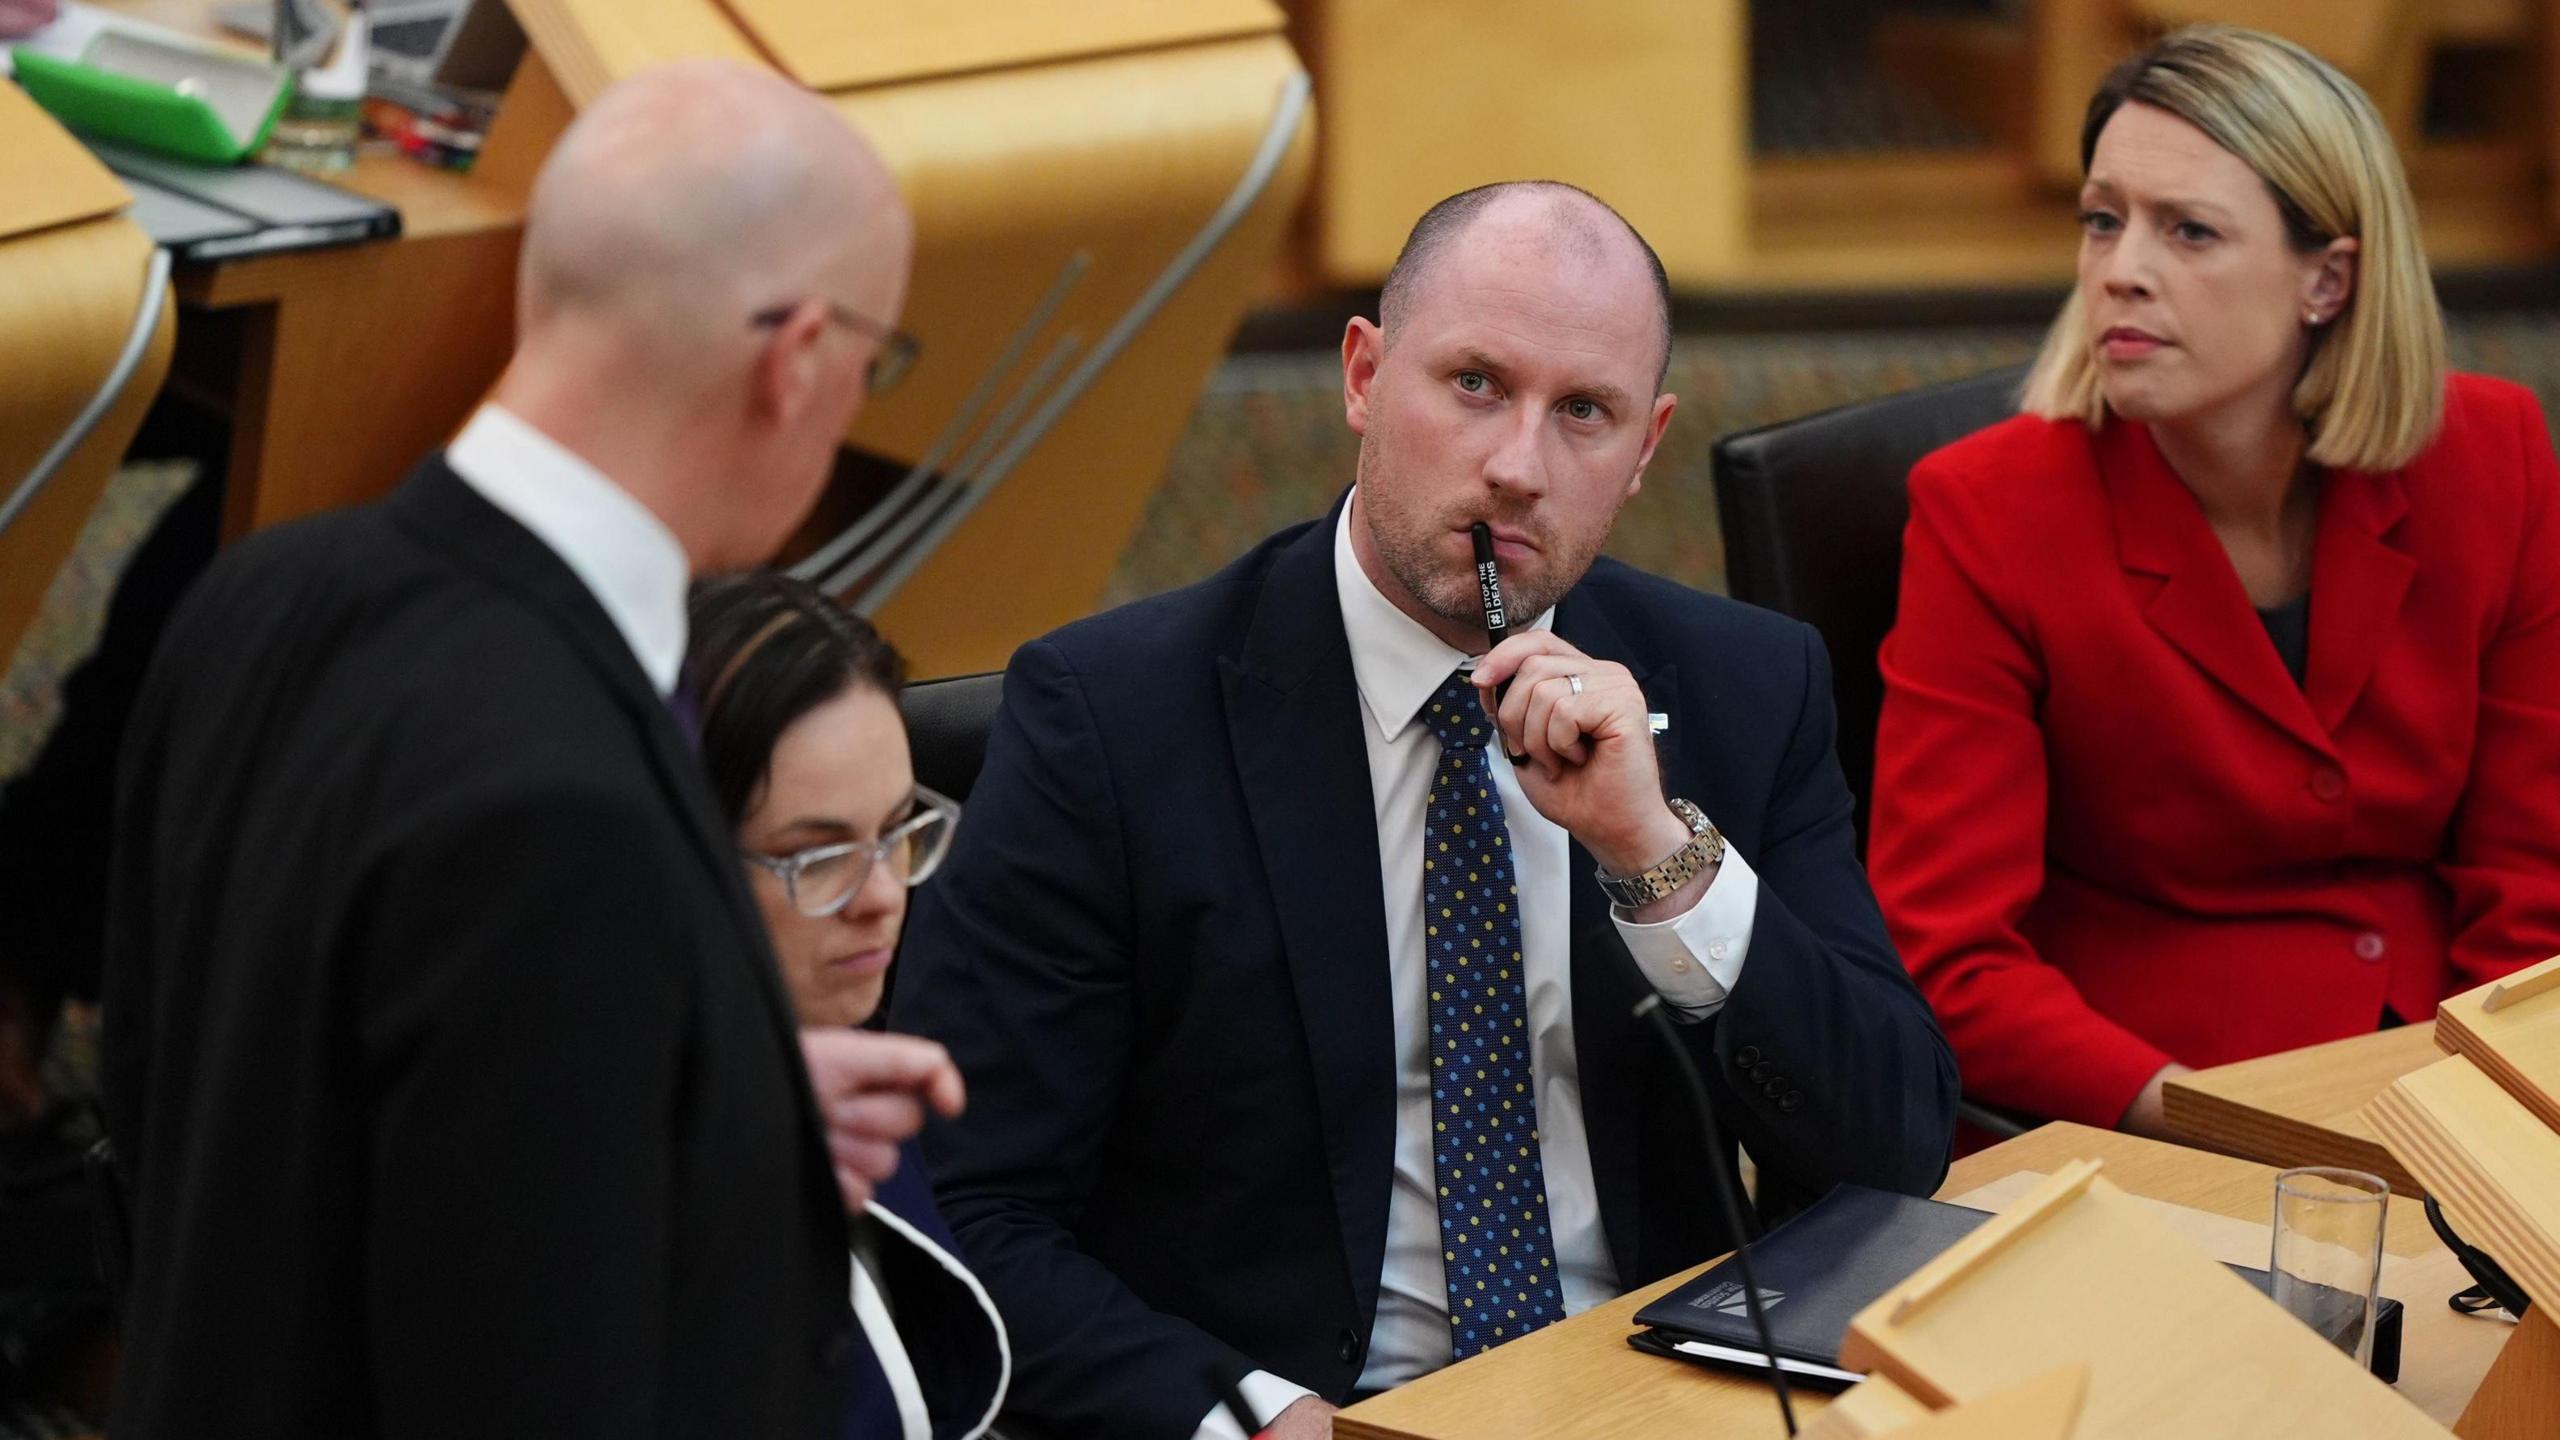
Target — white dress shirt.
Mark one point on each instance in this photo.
(1693, 960)
(623, 553)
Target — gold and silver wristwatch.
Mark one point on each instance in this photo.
(1705, 848)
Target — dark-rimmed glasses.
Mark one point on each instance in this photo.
(898, 350)
(823, 879)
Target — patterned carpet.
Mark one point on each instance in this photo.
(75, 605)
(1266, 446)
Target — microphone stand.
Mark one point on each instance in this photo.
(1727, 1186)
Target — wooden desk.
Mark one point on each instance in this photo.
(1579, 1378)
(2300, 1107)
(340, 368)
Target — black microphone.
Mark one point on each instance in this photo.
(1728, 1185)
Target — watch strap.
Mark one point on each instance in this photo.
(1705, 848)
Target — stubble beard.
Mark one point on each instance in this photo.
(1408, 543)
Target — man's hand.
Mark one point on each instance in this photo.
(24, 17)
(2148, 1114)
(872, 1092)
(1307, 1418)
(1591, 766)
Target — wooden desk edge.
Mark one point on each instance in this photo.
(2258, 1110)
(2157, 1169)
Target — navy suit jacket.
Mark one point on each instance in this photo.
(1158, 951)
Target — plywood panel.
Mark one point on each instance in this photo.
(2444, 1354)
(2081, 1272)
(426, 324)
(2071, 46)
(1643, 102)
(589, 44)
(842, 44)
(1012, 176)
(1098, 170)
(2523, 1393)
(2511, 1029)
(1868, 1410)
(2303, 1107)
(46, 177)
(2491, 1163)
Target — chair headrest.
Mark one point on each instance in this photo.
(947, 725)
(1826, 490)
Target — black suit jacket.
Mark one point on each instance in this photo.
(456, 1086)
(1158, 952)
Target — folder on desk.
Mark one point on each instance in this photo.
(1815, 1271)
(200, 212)
(1820, 1268)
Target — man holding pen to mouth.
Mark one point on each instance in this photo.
(1299, 1023)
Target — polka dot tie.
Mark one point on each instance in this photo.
(1497, 1256)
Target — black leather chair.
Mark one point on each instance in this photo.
(1813, 511)
(947, 724)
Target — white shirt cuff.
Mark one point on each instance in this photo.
(1694, 959)
(1265, 1392)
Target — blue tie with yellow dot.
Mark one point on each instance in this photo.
(1498, 1259)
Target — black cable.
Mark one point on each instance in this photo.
(2496, 1289)
(1726, 1186)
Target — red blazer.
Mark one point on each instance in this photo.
(2110, 831)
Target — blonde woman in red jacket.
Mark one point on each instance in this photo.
(2222, 709)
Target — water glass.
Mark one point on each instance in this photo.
(2326, 1257)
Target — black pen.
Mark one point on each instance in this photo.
(1497, 621)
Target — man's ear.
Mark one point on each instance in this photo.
(786, 369)
(1655, 424)
(1363, 346)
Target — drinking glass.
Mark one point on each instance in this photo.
(2326, 1256)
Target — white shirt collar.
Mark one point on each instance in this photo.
(1397, 663)
(624, 554)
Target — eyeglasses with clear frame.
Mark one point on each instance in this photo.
(823, 879)
(898, 350)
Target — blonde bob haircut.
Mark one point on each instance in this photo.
(2373, 390)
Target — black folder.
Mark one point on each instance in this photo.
(1816, 1271)
(1822, 1267)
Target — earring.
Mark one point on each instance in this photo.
(2312, 317)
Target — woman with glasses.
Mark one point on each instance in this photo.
(807, 757)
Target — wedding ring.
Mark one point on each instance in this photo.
(1575, 681)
